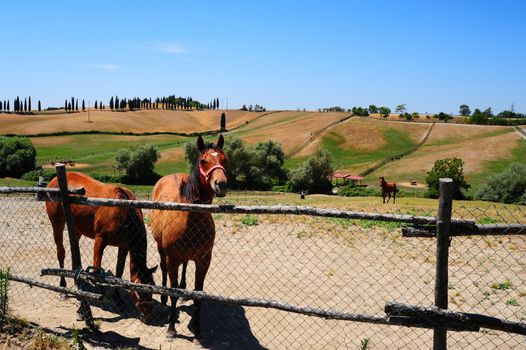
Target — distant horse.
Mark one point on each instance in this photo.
(121, 227)
(387, 189)
(182, 235)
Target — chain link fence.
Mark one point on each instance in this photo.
(336, 264)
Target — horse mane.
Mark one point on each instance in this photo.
(191, 190)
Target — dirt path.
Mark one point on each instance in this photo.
(520, 132)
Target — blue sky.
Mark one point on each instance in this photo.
(431, 55)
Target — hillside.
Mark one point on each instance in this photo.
(136, 121)
(356, 144)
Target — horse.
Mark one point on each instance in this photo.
(182, 235)
(115, 226)
(387, 189)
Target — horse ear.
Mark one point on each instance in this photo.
(220, 142)
(200, 143)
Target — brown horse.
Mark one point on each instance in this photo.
(387, 189)
(183, 236)
(121, 227)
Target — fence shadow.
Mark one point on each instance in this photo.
(226, 327)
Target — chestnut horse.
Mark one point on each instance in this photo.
(121, 227)
(182, 235)
(387, 189)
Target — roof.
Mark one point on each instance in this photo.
(341, 175)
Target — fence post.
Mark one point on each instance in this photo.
(445, 208)
(84, 310)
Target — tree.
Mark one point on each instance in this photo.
(443, 116)
(8, 106)
(77, 105)
(464, 110)
(17, 156)
(313, 175)
(138, 162)
(401, 108)
(39, 106)
(83, 105)
(96, 104)
(223, 122)
(111, 103)
(452, 168)
(29, 104)
(507, 187)
(66, 105)
(72, 107)
(25, 104)
(373, 109)
(479, 117)
(384, 111)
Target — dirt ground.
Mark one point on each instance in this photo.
(326, 263)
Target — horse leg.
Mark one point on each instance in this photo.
(119, 271)
(182, 285)
(172, 267)
(164, 298)
(394, 196)
(383, 196)
(58, 236)
(201, 269)
(388, 196)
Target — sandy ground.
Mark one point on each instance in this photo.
(324, 263)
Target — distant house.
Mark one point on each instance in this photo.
(346, 178)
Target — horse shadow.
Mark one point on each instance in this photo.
(225, 326)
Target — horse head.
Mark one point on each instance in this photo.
(211, 165)
(143, 301)
(382, 180)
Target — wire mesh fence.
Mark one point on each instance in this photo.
(328, 263)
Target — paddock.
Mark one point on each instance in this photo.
(328, 263)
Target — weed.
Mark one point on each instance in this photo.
(249, 220)
(4, 301)
(364, 344)
(486, 295)
(486, 220)
(502, 286)
(512, 302)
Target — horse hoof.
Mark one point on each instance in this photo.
(170, 335)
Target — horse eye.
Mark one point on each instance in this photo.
(203, 161)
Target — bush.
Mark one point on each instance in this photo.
(507, 187)
(354, 191)
(452, 168)
(34, 174)
(138, 162)
(313, 174)
(17, 156)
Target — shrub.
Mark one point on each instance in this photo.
(353, 191)
(138, 162)
(17, 156)
(249, 220)
(313, 174)
(507, 187)
(452, 168)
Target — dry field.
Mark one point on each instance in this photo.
(289, 128)
(327, 263)
(136, 121)
(366, 134)
(475, 145)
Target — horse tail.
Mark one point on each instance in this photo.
(396, 189)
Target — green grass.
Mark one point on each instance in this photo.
(518, 155)
(396, 142)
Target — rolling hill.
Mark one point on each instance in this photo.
(356, 143)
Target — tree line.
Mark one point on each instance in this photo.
(19, 105)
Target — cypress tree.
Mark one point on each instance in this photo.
(95, 104)
(8, 107)
(72, 108)
(116, 102)
(39, 106)
(69, 106)
(223, 121)
(25, 104)
(66, 105)
(111, 103)
(29, 105)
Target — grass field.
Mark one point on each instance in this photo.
(355, 144)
